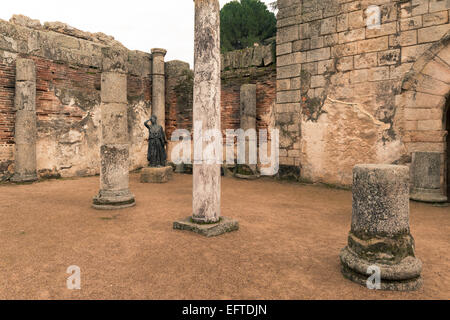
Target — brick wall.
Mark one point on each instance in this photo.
(68, 71)
(253, 65)
(340, 83)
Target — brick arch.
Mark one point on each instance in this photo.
(423, 102)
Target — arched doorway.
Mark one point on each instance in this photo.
(425, 105)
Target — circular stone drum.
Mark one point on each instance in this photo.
(380, 234)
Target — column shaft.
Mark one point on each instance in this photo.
(206, 177)
(114, 150)
(25, 125)
(159, 86)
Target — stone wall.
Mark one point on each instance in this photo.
(341, 98)
(68, 68)
(68, 72)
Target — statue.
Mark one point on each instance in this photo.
(156, 154)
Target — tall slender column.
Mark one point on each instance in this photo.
(159, 86)
(25, 125)
(114, 150)
(206, 187)
(206, 218)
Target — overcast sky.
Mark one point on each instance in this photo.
(139, 25)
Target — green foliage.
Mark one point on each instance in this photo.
(244, 23)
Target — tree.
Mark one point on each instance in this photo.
(244, 23)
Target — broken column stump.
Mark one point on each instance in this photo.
(114, 150)
(25, 125)
(206, 217)
(426, 176)
(380, 234)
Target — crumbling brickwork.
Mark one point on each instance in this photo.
(254, 65)
(340, 94)
(68, 68)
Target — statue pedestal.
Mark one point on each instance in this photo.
(156, 175)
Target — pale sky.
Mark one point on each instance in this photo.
(139, 25)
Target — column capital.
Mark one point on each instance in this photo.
(159, 51)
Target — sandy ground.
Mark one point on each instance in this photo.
(287, 246)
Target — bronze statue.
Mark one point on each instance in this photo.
(156, 154)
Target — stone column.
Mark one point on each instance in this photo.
(380, 234)
(426, 176)
(206, 218)
(114, 150)
(159, 86)
(25, 125)
(248, 122)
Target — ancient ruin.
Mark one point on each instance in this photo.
(157, 171)
(114, 150)
(25, 124)
(358, 92)
(380, 233)
(206, 217)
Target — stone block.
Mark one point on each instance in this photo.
(114, 87)
(25, 70)
(114, 123)
(156, 175)
(431, 34)
(114, 171)
(426, 173)
(435, 18)
(25, 97)
(208, 229)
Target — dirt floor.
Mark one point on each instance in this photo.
(287, 246)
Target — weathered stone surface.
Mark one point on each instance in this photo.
(380, 234)
(224, 225)
(114, 87)
(159, 86)
(25, 70)
(113, 200)
(248, 122)
(25, 125)
(426, 172)
(249, 57)
(380, 200)
(114, 152)
(25, 98)
(156, 175)
(206, 113)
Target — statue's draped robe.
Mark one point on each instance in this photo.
(156, 154)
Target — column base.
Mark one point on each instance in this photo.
(404, 276)
(207, 229)
(156, 174)
(427, 195)
(24, 178)
(113, 200)
(248, 172)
